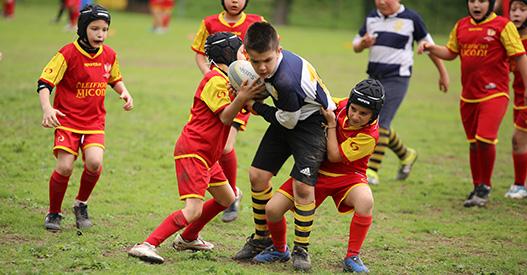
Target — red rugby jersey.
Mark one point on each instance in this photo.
(484, 49)
(81, 80)
(517, 85)
(204, 136)
(355, 145)
(216, 23)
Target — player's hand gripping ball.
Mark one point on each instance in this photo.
(241, 70)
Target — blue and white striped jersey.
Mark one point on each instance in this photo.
(392, 53)
(297, 90)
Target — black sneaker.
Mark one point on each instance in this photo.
(478, 197)
(301, 259)
(252, 248)
(81, 216)
(52, 221)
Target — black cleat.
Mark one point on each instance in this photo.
(52, 221)
(479, 197)
(81, 216)
(252, 248)
(301, 259)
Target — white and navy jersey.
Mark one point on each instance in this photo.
(297, 90)
(392, 53)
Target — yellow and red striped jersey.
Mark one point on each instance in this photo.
(80, 79)
(484, 50)
(355, 145)
(217, 23)
(204, 136)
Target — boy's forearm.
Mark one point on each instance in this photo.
(521, 62)
(202, 63)
(439, 64)
(119, 87)
(44, 95)
(442, 52)
(229, 113)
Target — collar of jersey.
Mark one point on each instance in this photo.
(280, 58)
(79, 48)
(490, 18)
(221, 17)
(401, 9)
(219, 71)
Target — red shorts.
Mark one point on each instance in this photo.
(76, 4)
(336, 187)
(71, 142)
(482, 120)
(194, 177)
(242, 118)
(520, 119)
(162, 3)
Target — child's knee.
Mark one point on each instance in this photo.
(192, 213)
(64, 168)
(273, 213)
(364, 205)
(93, 166)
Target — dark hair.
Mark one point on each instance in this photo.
(261, 37)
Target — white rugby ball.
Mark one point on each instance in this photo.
(241, 70)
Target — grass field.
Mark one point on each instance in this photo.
(420, 225)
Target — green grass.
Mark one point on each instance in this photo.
(419, 225)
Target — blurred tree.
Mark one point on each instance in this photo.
(281, 11)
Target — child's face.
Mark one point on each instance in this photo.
(264, 63)
(234, 7)
(387, 7)
(478, 8)
(358, 116)
(97, 31)
(518, 13)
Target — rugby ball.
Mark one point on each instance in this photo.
(239, 71)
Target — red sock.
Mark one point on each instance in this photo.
(474, 164)
(358, 230)
(88, 181)
(229, 165)
(9, 8)
(57, 188)
(166, 21)
(169, 226)
(278, 233)
(486, 156)
(520, 168)
(210, 209)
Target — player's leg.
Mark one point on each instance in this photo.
(519, 156)
(58, 183)
(271, 154)
(146, 251)
(469, 120)
(65, 149)
(193, 180)
(275, 210)
(223, 196)
(93, 152)
(308, 145)
(359, 198)
(229, 164)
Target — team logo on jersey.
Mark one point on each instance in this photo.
(107, 69)
(398, 25)
(491, 32)
(61, 138)
(48, 70)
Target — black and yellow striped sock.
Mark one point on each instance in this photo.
(376, 159)
(304, 214)
(396, 145)
(260, 199)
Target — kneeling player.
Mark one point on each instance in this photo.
(352, 133)
(197, 152)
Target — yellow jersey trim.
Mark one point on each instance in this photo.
(192, 156)
(189, 196)
(216, 184)
(86, 132)
(221, 17)
(520, 128)
(83, 52)
(520, 107)
(329, 174)
(490, 141)
(92, 145)
(485, 98)
(64, 148)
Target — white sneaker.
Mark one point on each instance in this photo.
(197, 244)
(516, 192)
(146, 252)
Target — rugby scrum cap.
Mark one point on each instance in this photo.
(89, 14)
(489, 11)
(368, 93)
(222, 47)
